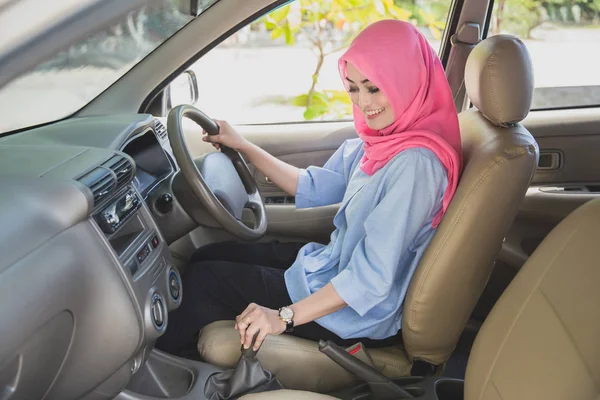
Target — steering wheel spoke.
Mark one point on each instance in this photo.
(220, 180)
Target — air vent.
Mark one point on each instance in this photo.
(100, 181)
(122, 167)
(161, 131)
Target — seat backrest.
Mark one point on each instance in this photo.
(541, 339)
(500, 158)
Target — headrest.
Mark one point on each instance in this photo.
(499, 79)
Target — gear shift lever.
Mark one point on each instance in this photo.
(247, 377)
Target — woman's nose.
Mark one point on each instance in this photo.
(364, 100)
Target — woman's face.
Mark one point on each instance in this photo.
(372, 102)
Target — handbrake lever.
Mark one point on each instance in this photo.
(381, 386)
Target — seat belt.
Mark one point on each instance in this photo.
(463, 41)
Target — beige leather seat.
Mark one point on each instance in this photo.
(541, 339)
(286, 395)
(500, 159)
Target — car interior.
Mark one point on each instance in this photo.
(103, 208)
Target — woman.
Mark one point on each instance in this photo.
(394, 184)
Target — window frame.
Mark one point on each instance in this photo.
(155, 103)
(486, 27)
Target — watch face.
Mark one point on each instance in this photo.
(286, 313)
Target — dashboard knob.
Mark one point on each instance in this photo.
(157, 312)
(174, 285)
(164, 203)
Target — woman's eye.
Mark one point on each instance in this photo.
(353, 89)
(373, 90)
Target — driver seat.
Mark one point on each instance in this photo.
(500, 158)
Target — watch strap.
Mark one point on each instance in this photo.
(289, 326)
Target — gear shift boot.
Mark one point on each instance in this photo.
(247, 377)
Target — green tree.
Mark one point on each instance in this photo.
(518, 17)
(566, 10)
(330, 26)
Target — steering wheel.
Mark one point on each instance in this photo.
(220, 180)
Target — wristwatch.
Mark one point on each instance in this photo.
(286, 314)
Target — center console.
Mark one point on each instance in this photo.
(129, 228)
(133, 235)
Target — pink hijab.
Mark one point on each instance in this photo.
(397, 59)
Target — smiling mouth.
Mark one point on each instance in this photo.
(374, 113)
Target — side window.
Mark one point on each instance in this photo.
(283, 67)
(563, 38)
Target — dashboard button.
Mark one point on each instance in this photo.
(164, 203)
(143, 253)
(155, 242)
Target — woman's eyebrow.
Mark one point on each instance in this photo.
(351, 81)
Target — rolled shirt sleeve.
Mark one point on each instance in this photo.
(320, 186)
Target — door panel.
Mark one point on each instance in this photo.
(575, 135)
(300, 145)
(301, 160)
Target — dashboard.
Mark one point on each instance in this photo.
(88, 209)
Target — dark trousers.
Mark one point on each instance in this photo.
(223, 278)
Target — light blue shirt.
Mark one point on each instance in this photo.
(383, 227)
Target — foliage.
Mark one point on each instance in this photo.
(565, 10)
(518, 17)
(430, 13)
(330, 26)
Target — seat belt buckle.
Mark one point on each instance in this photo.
(359, 351)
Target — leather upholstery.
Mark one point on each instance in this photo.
(541, 339)
(499, 79)
(297, 363)
(286, 395)
(499, 165)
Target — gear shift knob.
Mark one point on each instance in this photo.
(249, 352)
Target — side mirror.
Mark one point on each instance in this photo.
(182, 90)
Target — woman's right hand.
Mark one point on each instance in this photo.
(227, 136)
(282, 174)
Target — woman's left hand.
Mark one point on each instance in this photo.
(258, 319)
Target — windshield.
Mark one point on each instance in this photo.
(64, 84)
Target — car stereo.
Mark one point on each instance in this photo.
(116, 213)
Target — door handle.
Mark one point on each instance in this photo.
(550, 160)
